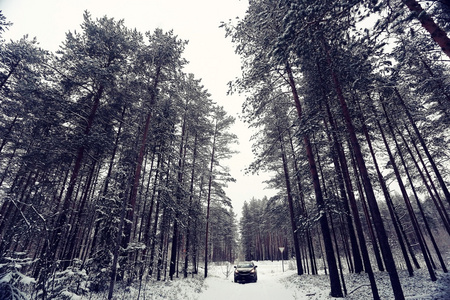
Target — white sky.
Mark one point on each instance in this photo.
(211, 56)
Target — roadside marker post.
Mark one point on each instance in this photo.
(282, 258)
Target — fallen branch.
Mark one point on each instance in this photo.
(358, 288)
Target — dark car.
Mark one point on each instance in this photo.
(245, 271)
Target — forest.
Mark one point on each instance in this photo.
(350, 105)
(112, 156)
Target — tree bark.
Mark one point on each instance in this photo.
(424, 146)
(208, 203)
(376, 215)
(336, 289)
(191, 196)
(437, 34)
(372, 235)
(179, 197)
(408, 205)
(432, 187)
(303, 212)
(419, 205)
(140, 159)
(51, 247)
(387, 196)
(344, 181)
(291, 204)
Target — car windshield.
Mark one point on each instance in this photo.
(245, 265)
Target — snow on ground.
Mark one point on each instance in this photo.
(269, 284)
(273, 283)
(420, 286)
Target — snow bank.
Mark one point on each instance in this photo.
(273, 283)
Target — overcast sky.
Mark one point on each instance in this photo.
(211, 57)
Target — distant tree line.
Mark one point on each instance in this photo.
(110, 162)
(350, 102)
(264, 230)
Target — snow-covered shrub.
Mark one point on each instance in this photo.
(13, 284)
(130, 267)
(68, 284)
(292, 264)
(227, 270)
(99, 271)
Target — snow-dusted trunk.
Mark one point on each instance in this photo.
(287, 181)
(367, 214)
(345, 183)
(408, 204)
(191, 196)
(431, 187)
(52, 245)
(437, 33)
(336, 290)
(140, 159)
(419, 205)
(387, 196)
(372, 201)
(424, 146)
(74, 236)
(148, 222)
(302, 208)
(106, 184)
(179, 197)
(155, 223)
(209, 197)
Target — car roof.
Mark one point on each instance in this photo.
(245, 263)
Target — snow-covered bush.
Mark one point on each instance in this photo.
(99, 271)
(227, 270)
(68, 284)
(13, 284)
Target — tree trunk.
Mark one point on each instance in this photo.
(116, 250)
(72, 234)
(302, 211)
(140, 159)
(147, 231)
(437, 34)
(434, 196)
(354, 208)
(376, 215)
(155, 225)
(387, 196)
(424, 146)
(298, 257)
(408, 205)
(419, 205)
(344, 287)
(372, 235)
(336, 290)
(51, 247)
(208, 201)
(338, 163)
(179, 198)
(191, 196)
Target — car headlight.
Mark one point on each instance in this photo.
(252, 271)
(236, 271)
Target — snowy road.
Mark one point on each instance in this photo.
(273, 283)
(269, 286)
